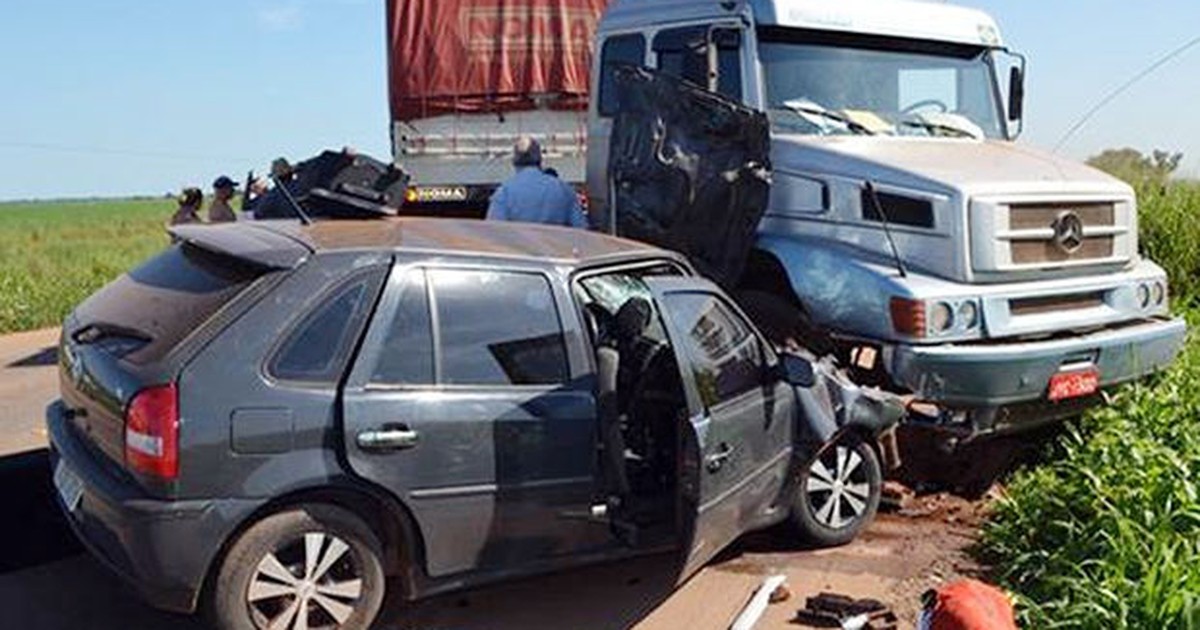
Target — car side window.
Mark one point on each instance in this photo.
(724, 355)
(683, 53)
(497, 328)
(621, 49)
(407, 354)
(317, 349)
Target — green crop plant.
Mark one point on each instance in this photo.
(53, 255)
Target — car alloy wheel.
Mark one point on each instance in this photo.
(838, 488)
(306, 583)
(838, 492)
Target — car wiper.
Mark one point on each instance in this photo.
(116, 340)
(808, 107)
(932, 127)
(99, 331)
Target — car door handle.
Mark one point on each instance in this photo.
(715, 461)
(397, 438)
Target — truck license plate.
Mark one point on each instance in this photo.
(1074, 384)
(69, 485)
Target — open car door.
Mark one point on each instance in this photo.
(689, 170)
(737, 442)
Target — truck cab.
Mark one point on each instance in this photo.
(905, 229)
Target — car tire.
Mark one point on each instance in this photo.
(317, 559)
(838, 493)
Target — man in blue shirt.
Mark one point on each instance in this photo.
(533, 196)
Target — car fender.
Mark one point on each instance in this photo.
(833, 405)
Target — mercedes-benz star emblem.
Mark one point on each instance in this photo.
(1068, 232)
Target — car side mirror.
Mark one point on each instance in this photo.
(1016, 94)
(795, 370)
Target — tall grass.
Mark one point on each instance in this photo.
(1106, 534)
(53, 255)
(1170, 234)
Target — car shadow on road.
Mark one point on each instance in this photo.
(31, 527)
(613, 596)
(46, 580)
(42, 358)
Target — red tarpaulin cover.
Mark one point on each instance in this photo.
(447, 56)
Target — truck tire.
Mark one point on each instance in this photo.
(783, 322)
(838, 493)
(318, 560)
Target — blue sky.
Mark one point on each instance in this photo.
(115, 97)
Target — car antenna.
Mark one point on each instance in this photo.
(887, 231)
(304, 218)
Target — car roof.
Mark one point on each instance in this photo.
(458, 237)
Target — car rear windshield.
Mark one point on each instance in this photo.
(147, 312)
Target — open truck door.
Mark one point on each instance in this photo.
(688, 170)
(736, 443)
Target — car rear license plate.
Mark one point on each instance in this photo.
(1074, 384)
(69, 485)
(441, 193)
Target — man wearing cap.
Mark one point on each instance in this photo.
(531, 195)
(219, 210)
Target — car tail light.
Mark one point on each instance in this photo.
(152, 432)
(908, 316)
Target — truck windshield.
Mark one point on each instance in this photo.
(842, 84)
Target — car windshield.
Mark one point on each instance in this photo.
(840, 86)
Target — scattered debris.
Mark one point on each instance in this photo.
(758, 603)
(780, 594)
(832, 610)
(895, 496)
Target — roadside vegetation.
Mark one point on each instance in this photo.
(55, 254)
(1106, 532)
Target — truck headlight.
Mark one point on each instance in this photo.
(937, 318)
(968, 314)
(941, 317)
(1143, 295)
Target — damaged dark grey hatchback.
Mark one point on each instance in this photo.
(268, 418)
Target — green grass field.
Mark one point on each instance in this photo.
(55, 254)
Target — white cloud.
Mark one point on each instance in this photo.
(283, 17)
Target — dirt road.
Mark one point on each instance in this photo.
(27, 385)
(47, 582)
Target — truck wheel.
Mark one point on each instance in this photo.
(784, 323)
(314, 566)
(838, 493)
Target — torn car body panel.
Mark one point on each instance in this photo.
(689, 170)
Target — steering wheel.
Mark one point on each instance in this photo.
(929, 102)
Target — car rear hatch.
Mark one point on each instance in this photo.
(139, 330)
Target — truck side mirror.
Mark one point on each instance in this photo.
(1016, 94)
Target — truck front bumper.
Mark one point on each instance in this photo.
(998, 374)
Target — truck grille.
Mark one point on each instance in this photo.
(1024, 236)
(1045, 227)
